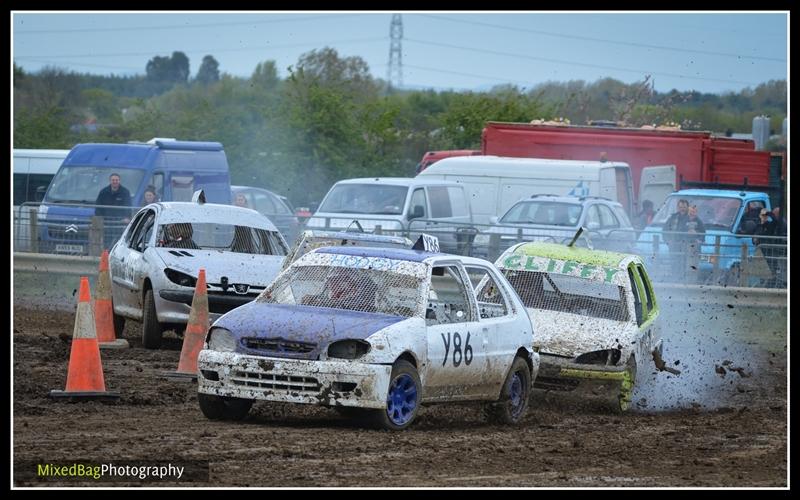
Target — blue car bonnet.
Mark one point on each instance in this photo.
(296, 331)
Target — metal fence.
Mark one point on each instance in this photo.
(40, 229)
(722, 259)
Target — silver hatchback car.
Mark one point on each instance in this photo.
(556, 219)
(155, 264)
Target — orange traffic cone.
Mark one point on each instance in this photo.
(104, 310)
(195, 333)
(85, 370)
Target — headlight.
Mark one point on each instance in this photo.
(180, 278)
(604, 357)
(220, 339)
(43, 211)
(348, 349)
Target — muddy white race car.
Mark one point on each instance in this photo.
(155, 264)
(594, 313)
(375, 330)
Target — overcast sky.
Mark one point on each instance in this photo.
(708, 52)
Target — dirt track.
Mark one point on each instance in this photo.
(740, 441)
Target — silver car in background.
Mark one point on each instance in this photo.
(556, 219)
(155, 264)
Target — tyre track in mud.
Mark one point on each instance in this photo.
(564, 441)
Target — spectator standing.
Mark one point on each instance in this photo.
(676, 224)
(112, 196)
(696, 235)
(645, 217)
(150, 195)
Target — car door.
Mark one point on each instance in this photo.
(495, 318)
(136, 268)
(122, 261)
(643, 300)
(456, 350)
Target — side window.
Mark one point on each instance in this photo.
(143, 236)
(458, 201)
(262, 203)
(623, 217)
(447, 299)
(491, 302)
(440, 202)
(158, 182)
(607, 217)
(592, 218)
(37, 185)
(637, 301)
(134, 227)
(182, 187)
(418, 199)
(648, 293)
(280, 207)
(142, 229)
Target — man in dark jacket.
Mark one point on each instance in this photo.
(696, 234)
(113, 195)
(677, 242)
(773, 249)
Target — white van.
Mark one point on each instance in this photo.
(400, 206)
(33, 170)
(495, 183)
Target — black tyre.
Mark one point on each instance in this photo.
(222, 408)
(513, 402)
(119, 324)
(151, 328)
(402, 400)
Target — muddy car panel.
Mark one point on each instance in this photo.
(467, 359)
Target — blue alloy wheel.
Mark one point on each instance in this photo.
(402, 399)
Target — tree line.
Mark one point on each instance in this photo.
(329, 119)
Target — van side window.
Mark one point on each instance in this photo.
(447, 299)
(458, 202)
(440, 202)
(418, 199)
(637, 301)
(182, 187)
(158, 182)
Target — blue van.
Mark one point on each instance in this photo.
(175, 168)
(730, 215)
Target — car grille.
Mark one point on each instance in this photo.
(269, 381)
(59, 233)
(278, 345)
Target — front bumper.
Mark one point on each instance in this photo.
(330, 383)
(563, 374)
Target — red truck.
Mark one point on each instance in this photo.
(700, 159)
(684, 159)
